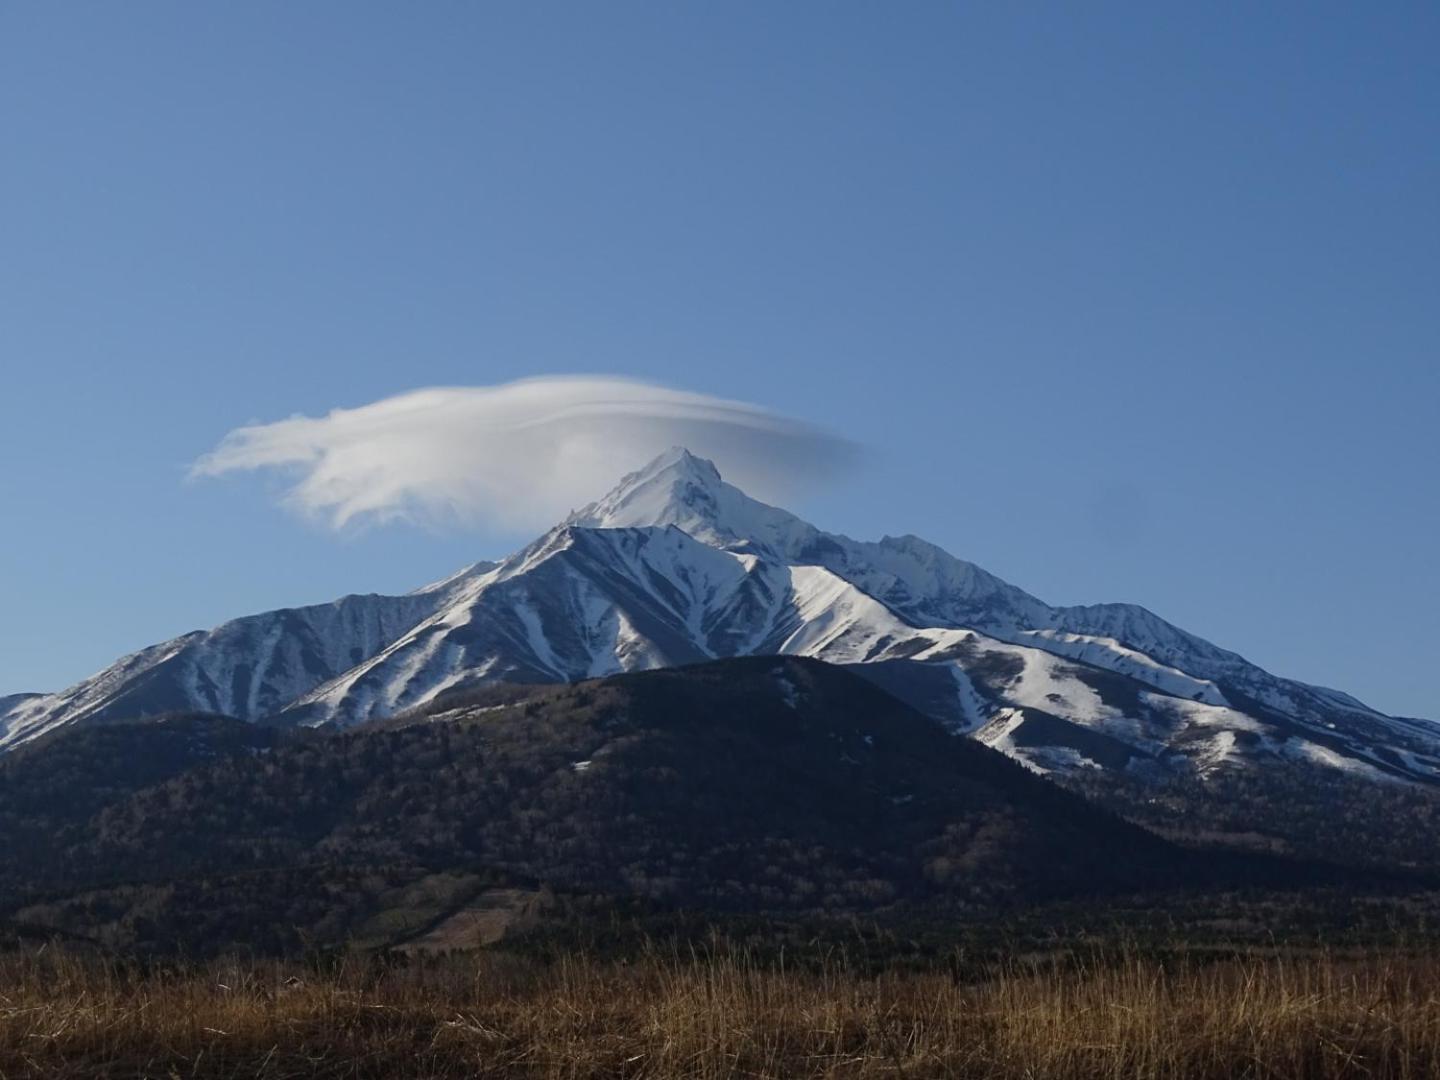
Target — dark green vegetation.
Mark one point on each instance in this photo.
(754, 792)
(52, 788)
(1285, 809)
(751, 785)
(763, 867)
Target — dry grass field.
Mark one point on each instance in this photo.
(493, 1015)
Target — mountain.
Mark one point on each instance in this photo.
(11, 704)
(676, 566)
(759, 784)
(60, 780)
(247, 668)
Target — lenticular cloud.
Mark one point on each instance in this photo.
(519, 455)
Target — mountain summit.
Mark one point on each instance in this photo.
(686, 491)
(675, 566)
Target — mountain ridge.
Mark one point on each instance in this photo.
(674, 565)
(755, 784)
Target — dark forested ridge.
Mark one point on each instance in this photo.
(53, 787)
(758, 785)
(1286, 810)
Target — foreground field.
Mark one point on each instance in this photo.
(488, 1015)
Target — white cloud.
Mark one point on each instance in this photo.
(519, 455)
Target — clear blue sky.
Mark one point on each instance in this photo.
(1127, 302)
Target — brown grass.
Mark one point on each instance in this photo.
(491, 1015)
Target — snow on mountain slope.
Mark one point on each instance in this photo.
(674, 566)
(11, 702)
(249, 668)
(10, 706)
(905, 572)
(927, 586)
(921, 582)
(576, 604)
(584, 602)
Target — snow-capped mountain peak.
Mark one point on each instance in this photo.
(680, 489)
(907, 573)
(675, 482)
(676, 565)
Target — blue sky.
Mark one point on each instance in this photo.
(1124, 302)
